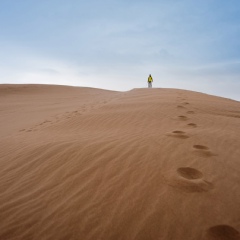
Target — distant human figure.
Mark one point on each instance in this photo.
(150, 80)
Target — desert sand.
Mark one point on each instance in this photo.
(91, 164)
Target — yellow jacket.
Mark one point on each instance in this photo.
(150, 79)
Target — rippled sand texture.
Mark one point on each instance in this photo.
(147, 164)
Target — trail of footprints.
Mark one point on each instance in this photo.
(191, 180)
(64, 116)
(54, 119)
(199, 150)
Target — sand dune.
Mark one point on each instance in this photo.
(147, 164)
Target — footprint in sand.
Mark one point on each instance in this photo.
(189, 173)
(190, 180)
(43, 123)
(190, 112)
(46, 121)
(185, 103)
(184, 118)
(222, 232)
(200, 147)
(179, 106)
(178, 134)
(203, 151)
(192, 125)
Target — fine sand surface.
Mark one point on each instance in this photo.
(147, 164)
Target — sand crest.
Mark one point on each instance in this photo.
(147, 164)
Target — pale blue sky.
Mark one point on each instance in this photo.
(115, 44)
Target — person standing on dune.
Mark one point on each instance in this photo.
(150, 80)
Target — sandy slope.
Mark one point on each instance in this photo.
(81, 163)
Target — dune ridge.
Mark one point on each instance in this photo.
(83, 163)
